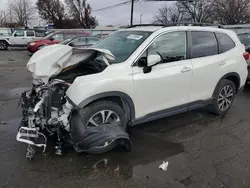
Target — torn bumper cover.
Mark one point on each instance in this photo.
(47, 112)
(96, 140)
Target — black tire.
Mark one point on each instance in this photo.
(96, 151)
(214, 107)
(95, 107)
(3, 45)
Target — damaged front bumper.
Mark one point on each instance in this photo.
(48, 112)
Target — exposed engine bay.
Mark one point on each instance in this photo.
(47, 111)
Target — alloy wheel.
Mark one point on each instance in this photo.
(103, 117)
(2, 46)
(225, 98)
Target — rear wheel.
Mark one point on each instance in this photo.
(223, 98)
(3, 45)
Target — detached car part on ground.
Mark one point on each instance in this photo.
(47, 111)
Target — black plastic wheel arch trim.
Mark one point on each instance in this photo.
(124, 96)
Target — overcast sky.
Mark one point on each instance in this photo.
(119, 15)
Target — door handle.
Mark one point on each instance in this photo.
(186, 69)
(222, 63)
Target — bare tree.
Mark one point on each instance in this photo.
(22, 11)
(197, 11)
(167, 15)
(232, 11)
(81, 11)
(52, 11)
(2, 18)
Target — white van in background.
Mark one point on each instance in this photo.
(5, 32)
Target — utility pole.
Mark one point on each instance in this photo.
(132, 12)
(141, 19)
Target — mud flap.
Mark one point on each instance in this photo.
(97, 140)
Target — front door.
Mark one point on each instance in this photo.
(167, 85)
(19, 38)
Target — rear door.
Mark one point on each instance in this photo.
(30, 36)
(207, 64)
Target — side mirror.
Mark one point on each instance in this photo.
(51, 38)
(15, 35)
(153, 60)
(72, 44)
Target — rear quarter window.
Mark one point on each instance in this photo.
(226, 43)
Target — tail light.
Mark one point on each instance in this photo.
(246, 56)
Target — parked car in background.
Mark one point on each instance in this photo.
(54, 38)
(80, 42)
(245, 39)
(5, 32)
(19, 38)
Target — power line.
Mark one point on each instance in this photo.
(112, 6)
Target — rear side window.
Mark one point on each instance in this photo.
(30, 33)
(203, 44)
(226, 43)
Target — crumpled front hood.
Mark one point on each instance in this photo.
(51, 60)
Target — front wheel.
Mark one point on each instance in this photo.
(3, 45)
(223, 98)
(103, 112)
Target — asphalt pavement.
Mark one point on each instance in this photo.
(203, 150)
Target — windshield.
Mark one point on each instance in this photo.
(245, 39)
(122, 43)
(66, 41)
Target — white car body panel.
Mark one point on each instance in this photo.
(107, 81)
(157, 90)
(166, 86)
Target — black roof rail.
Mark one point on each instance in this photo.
(178, 24)
(147, 25)
(193, 24)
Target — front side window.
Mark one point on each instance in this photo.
(123, 43)
(171, 46)
(226, 42)
(19, 33)
(203, 44)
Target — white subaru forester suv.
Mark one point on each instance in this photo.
(141, 74)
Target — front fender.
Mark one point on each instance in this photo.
(5, 41)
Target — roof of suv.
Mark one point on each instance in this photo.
(171, 28)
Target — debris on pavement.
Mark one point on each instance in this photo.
(164, 166)
(3, 123)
